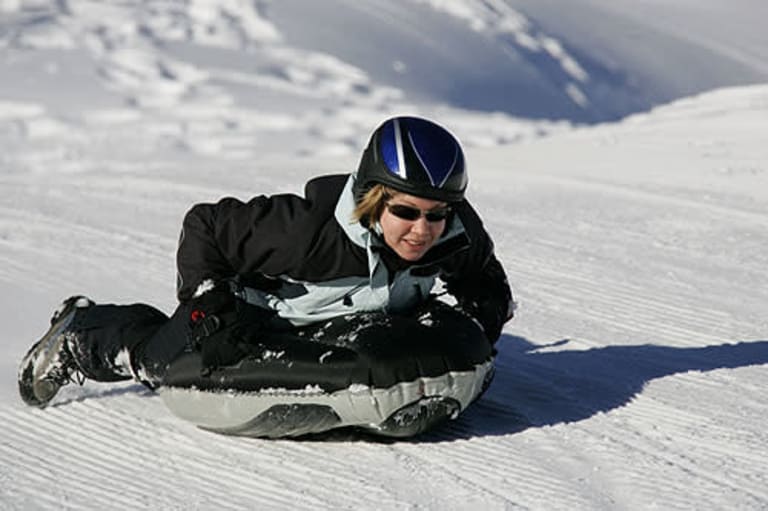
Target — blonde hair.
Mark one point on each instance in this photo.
(371, 206)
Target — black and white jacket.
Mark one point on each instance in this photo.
(305, 258)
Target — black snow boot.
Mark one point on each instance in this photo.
(49, 364)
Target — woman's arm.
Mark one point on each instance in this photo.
(478, 281)
(229, 238)
(486, 296)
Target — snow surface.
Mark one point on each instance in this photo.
(634, 376)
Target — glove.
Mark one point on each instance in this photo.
(222, 326)
(486, 297)
(489, 314)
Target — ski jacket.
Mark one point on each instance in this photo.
(306, 259)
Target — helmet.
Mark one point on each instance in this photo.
(414, 156)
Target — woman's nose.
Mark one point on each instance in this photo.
(420, 225)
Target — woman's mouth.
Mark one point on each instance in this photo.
(416, 243)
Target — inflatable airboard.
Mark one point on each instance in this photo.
(394, 376)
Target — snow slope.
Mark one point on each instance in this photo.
(229, 62)
(633, 377)
(661, 49)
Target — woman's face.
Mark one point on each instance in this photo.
(411, 225)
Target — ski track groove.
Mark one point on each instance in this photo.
(280, 467)
(239, 481)
(55, 431)
(316, 469)
(647, 197)
(418, 463)
(632, 480)
(649, 449)
(33, 493)
(321, 460)
(11, 270)
(82, 245)
(323, 457)
(581, 283)
(656, 451)
(466, 465)
(133, 473)
(305, 478)
(56, 467)
(636, 313)
(685, 424)
(111, 242)
(98, 427)
(42, 501)
(29, 274)
(681, 425)
(574, 286)
(627, 294)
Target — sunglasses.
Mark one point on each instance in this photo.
(409, 213)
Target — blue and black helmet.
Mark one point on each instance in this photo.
(414, 156)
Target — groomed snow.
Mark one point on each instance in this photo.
(634, 375)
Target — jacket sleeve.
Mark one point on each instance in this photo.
(478, 282)
(230, 238)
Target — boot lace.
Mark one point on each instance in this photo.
(67, 371)
(66, 374)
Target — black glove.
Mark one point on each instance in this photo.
(222, 326)
(491, 316)
(486, 297)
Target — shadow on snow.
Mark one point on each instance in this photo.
(535, 388)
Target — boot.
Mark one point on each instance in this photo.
(49, 364)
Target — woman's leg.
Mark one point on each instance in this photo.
(104, 338)
(151, 356)
(88, 341)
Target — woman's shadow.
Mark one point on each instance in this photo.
(538, 386)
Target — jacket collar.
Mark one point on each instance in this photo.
(345, 207)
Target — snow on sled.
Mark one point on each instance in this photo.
(394, 376)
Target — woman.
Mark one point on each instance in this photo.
(371, 242)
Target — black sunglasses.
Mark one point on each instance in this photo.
(409, 213)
